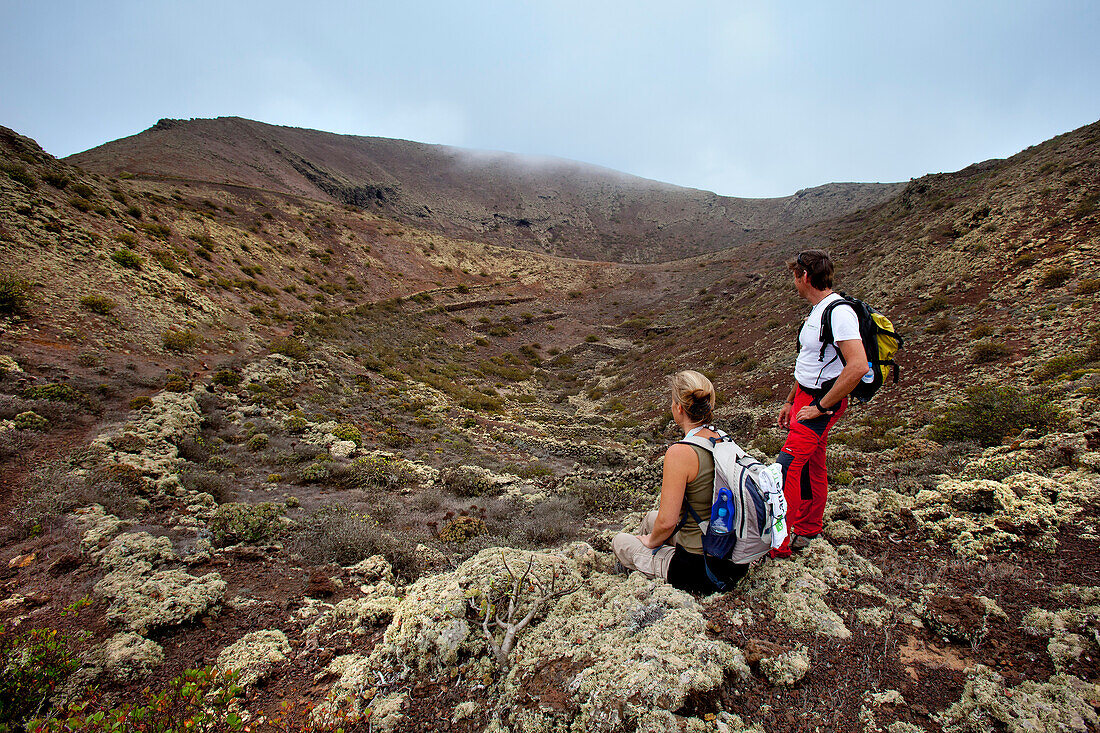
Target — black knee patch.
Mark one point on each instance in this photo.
(784, 459)
(807, 490)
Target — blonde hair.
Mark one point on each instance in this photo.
(694, 392)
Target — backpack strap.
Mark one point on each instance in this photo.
(826, 332)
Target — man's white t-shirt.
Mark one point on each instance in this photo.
(809, 371)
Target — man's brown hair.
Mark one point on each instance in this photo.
(817, 263)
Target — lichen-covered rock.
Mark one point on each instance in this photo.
(796, 588)
(342, 449)
(349, 695)
(99, 527)
(787, 669)
(979, 516)
(254, 655)
(1062, 703)
(158, 429)
(132, 546)
(143, 599)
(130, 657)
(386, 712)
(373, 569)
(632, 650)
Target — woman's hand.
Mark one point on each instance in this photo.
(647, 540)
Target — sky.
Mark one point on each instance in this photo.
(746, 99)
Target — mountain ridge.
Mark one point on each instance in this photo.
(551, 205)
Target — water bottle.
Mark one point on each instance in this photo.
(720, 524)
(870, 375)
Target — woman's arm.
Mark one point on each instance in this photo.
(681, 465)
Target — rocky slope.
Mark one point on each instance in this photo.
(263, 431)
(544, 205)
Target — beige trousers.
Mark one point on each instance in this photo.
(635, 556)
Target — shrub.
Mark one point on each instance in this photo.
(157, 231)
(19, 174)
(127, 258)
(334, 533)
(33, 666)
(546, 523)
(981, 331)
(55, 392)
(347, 431)
(180, 340)
(199, 699)
(937, 302)
(1055, 277)
(258, 442)
(245, 523)
(377, 472)
(55, 179)
(14, 295)
(140, 402)
(314, 473)
(989, 413)
(30, 420)
(940, 325)
(1088, 286)
(985, 352)
(80, 204)
(462, 528)
(126, 238)
(466, 481)
(206, 482)
(227, 378)
(605, 494)
(165, 260)
(1056, 367)
(97, 303)
(289, 346)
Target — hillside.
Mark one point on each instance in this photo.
(250, 427)
(540, 204)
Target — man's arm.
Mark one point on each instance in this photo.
(855, 366)
(785, 411)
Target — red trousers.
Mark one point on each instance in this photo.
(805, 479)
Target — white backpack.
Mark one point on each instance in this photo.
(748, 510)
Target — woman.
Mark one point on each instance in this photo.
(658, 549)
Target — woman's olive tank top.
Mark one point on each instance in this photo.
(700, 494)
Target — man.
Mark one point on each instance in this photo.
(817, 399)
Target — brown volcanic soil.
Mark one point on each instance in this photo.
(545, 205)
(420, 300)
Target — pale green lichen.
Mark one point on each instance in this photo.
(634, 649)
(1063, 703)
(133, 546)
(144, 599)
(786, 669)
(796, 588)
(254, 655)
(130, 657)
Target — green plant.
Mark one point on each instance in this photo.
(289, 346)
(197, 700)
(258, 442)
(55, 392)
(988, 413)
(127, 258)
(165, 260)
(19, 174)
(33, 664)
(180, 340)
(245, 523)
(1056, 367)
(466, 481)
(347, 431)
(1055, 277)
(140, 402)
(937, 302)
(985, 352)
(100, 304)
(227, 378)
(30, 420)
(14, 294)
(314, 473)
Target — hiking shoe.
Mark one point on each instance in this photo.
(620, 569)
(801, 542)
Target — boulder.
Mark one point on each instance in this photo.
(143, 599)
(131, 657)
(254, 655)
